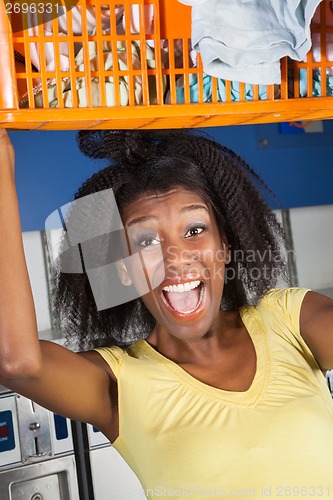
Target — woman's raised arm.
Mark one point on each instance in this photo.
(316, 324)
(19, 346)
(45, 372)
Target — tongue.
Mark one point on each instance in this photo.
(184, 301)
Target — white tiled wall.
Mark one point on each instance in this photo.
(33, 250)
(312, 231)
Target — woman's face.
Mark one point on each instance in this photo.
(184, 257)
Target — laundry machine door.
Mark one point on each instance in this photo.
(50, 480)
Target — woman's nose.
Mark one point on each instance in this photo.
(179, 255)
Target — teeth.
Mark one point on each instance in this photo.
(183, 287)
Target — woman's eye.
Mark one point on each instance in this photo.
(194, 231)
(148, 242)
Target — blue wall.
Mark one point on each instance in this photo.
(49, 167)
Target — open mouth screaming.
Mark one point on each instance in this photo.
(184, 298)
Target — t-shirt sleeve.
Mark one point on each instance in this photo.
(288, 302)
(282, 307)
(113, 356)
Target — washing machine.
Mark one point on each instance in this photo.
(112, 478)
(37, 460)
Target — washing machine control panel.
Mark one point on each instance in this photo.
(29, 433)
(10, 453)
(7, 438)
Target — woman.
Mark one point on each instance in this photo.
(220, 391)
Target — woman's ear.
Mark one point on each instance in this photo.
(226, 250)
(123, 274)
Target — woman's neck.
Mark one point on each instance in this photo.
(222, 335)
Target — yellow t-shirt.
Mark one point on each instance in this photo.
(186, 439)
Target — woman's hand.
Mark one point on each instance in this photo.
(7, 153)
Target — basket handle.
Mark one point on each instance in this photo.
(175, 19)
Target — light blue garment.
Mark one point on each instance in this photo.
(248, 88)
(316, 83)
(221, 90)
(243, 40)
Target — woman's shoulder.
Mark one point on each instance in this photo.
(284, 302)
(284, 297)
(113, 356)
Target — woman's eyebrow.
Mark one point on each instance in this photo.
(188, 208)
(152, 218)
(144, 218)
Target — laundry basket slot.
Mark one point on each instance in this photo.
(92, 55)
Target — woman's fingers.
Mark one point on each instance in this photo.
(3, 132)
(7, 153)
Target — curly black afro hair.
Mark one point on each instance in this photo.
(156, 161)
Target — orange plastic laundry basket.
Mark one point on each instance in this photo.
(130, 65)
